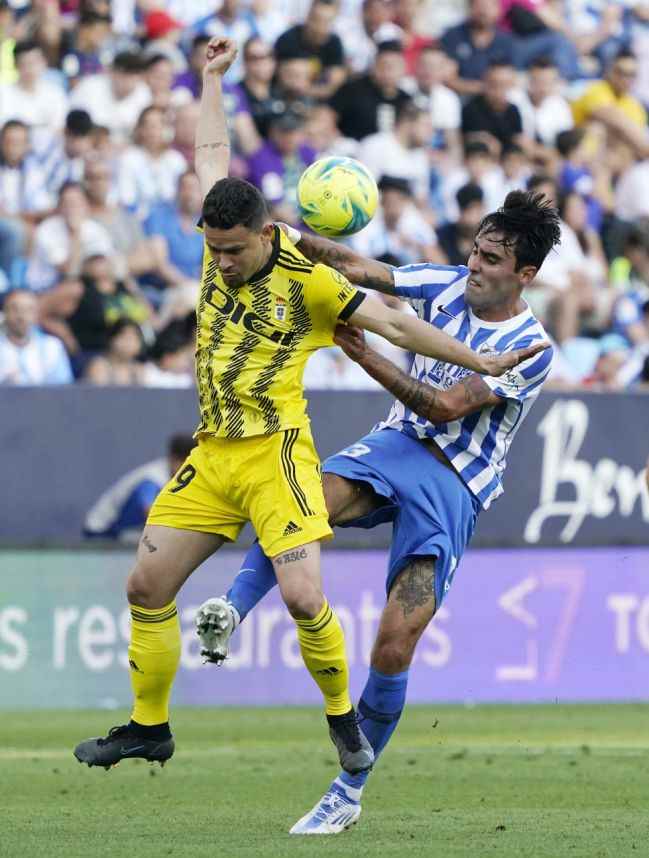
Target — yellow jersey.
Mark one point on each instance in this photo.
(253, 341)
(602, 94)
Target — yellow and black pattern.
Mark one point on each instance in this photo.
(288, 466)
(253, 341)
(152, 615)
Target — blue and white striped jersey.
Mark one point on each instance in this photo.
(476, 445)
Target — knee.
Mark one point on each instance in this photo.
(303, 602)
(141, 589)
(393, 654)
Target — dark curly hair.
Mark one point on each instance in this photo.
(529, 226)
(234, 202)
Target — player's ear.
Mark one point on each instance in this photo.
(526, 274)
(268, 231)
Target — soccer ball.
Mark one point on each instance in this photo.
(337, 196)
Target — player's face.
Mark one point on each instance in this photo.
(494, 283)
(239, 252)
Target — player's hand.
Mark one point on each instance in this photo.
(498, 364)
(351, 340)
(219, 54)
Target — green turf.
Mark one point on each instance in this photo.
(490, 780)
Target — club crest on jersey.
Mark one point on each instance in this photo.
(279, 312)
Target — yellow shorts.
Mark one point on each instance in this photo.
(273, 481)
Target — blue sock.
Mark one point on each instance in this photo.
(379, 710)
(255, 578)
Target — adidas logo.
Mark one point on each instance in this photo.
(134, 666)
(291, 528)
(328, 671)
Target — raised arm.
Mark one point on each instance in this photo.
(212, 145)
(414, 335)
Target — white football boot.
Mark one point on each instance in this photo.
(216, 620)
(335, 812)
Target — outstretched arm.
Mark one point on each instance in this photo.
(212, 145)
(414, 335)
(437, 406)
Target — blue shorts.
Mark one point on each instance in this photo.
(432, 511)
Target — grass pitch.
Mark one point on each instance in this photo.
(487, 781)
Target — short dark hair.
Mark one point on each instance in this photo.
(389, 46)
(499, 62)
(407, 109)
(13, 123)
(78, 123)
(637, 236)
(127, 62)
(567, 141)
(395, 183)
(624, 54)
(469, 194)
(537, 179)
(234, 202)
(528, 224)
(543, 62)
(25, 47)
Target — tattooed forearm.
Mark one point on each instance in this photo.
(421, 398)
(415, 586)
(291, 557)
(363, 272)
(211, 146)
(150, 547)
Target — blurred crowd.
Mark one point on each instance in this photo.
(450, 104)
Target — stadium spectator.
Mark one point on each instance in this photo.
(408, 19)
(323, 134)
(403, 149)
(398, 228)
(33, 98)
(360, 34)
(481, 168)
(83, 49)
(23, 193)
(28, 356)
(315, 40)
(175, 224)
(121, 511)
(163, 33)
(631, 310)
(231, 20)
(63, 240)
(540, 29)
(456, 238)
(192, 79)
(611, 103)
(171, 361)
(491, 116)
(368, 104)
(118, 365)
(584, 170)
(544, 111)
(149, 171)
(292, 86)
(158, 73)
(476, 43)
(432, 72)
(255, 85)
(277, 166)
(82, 311)
(271, 19)
(114, 100)
(185, 121)
(63, 160)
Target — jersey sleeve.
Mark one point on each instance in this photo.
(426, 282)
(331, 299)
(524, 380)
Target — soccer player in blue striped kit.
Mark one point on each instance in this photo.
(431, 466)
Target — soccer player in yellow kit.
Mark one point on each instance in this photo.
(264, 308)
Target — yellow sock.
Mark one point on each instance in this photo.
(154, 655)
(322, 644)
